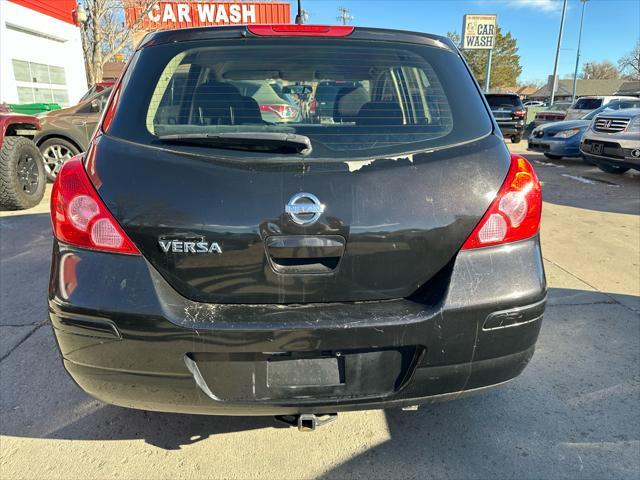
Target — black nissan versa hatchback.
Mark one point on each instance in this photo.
(211, 259)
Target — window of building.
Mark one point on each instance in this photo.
(40, 83)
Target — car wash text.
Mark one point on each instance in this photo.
(479, 32)
(203, 13)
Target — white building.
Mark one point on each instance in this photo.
(41, 57)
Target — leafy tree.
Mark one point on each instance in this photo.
(604, 70)
(505, 64)
(629, 65)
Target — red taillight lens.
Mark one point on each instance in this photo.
(515, 212)
(301, 30)
(286, 112)
(520, 113)
(80, 218)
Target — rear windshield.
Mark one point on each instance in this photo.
(351, 98)
(587, 104)
(504, 101)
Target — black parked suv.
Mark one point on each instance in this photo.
(208, 259)
(509, 112)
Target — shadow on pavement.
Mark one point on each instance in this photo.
(573, 412)
(25, 232)
(25, 257)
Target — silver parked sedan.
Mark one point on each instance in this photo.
(612, 141)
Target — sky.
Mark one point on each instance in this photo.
(611, 27)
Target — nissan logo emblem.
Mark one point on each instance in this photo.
(304, 208)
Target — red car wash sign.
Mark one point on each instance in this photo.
(170, 15)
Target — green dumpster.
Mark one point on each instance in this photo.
(531, 115)
(33, 108)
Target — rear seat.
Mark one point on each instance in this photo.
(220, 103)
(380, 114)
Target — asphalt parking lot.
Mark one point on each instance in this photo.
(573, 413)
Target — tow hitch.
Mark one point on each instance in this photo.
(307, 422)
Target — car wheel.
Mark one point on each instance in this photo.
(22, 174)
(56, 151)
(552, 157)
(609, 168)
(516, 139)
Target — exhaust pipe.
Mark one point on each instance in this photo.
(306, 422)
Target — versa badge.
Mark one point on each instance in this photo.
(182, 246)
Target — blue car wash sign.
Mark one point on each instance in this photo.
(479, 32)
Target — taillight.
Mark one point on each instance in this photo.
(286, 112)
(515, 212)
(79, 216)
(301, 30)
(520, 113)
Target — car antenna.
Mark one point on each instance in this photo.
(299, 18)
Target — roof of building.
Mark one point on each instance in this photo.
(527, 90)
(519, 90)
(583, 88)
(629, 88)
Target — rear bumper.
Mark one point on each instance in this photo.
(179, 394)
(617, 151)
(554, 147)
(511, 128)
(129, 339)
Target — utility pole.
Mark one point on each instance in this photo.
(488, 79)
(299, 16)
(344, 16)
(555, 65)
(575, 72)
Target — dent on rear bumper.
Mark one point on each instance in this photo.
(124, 332)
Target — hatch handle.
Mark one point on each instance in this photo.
(304, 254)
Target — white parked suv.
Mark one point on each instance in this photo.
(584, 105)
(612, 141)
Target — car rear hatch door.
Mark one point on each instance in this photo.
(381, 202)
(386, 226)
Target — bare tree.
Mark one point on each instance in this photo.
(105, 33)
(604, 70)
(629, 65)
